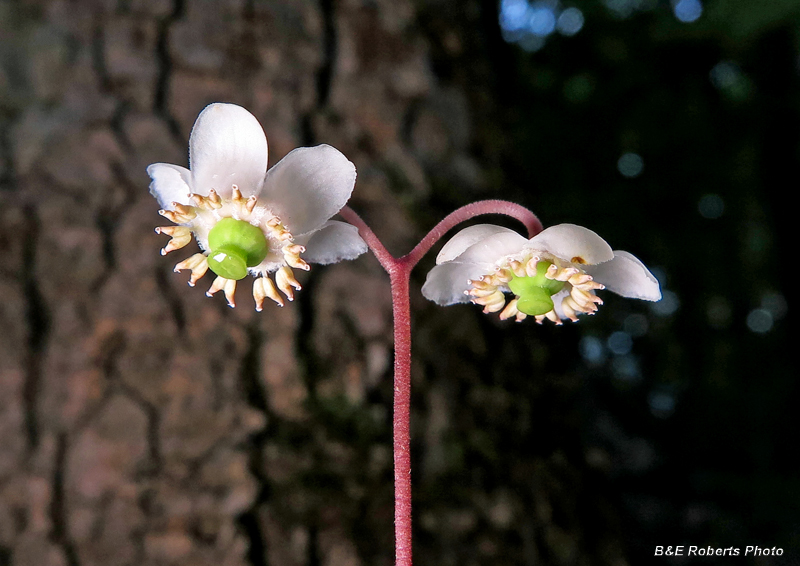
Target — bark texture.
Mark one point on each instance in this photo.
(143, 423)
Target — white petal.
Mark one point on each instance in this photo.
(308, 186)
(335, 241)
(466, 238)
(627, 276)
(490, 249)
(171, 183)
(446, 283)
(227, 147)
(572, 243)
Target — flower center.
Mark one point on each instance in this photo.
(235, 245)
(535, 292)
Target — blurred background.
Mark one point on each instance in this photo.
(143, 423)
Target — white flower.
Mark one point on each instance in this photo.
(553, 275)
(248, 219)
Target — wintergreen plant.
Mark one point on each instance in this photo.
(247, 219)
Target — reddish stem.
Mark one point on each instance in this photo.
(399, 270)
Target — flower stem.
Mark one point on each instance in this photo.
(399, 270)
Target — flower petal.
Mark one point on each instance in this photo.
(227, 147)
(171, 183)
(308, 186)
(335, 241)
(627, 276)
(459, 243)
(446, 283)
(492, 248)
(572, 243)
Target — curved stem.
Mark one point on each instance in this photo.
(387, 260)
(528, 219)
(399, 271)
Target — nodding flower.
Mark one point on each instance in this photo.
(250, 220)
(554, 275)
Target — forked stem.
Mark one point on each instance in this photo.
(399, 270)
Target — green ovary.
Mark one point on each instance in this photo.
(535, 293)
(235, 245)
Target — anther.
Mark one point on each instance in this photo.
(214, 198)
(294, 249)
(530, 266)
(553, 317)
(285, 280)
(181, 236)
(184, 210)
(510, 310)
(569, 312)
(230, 289)
(217, 285)
(296, 262)
(517, 268)
(236, 194)
(200, 201)
(176, 216)
(198, 263)
(263, 288)
(481, 292)
(227, 286)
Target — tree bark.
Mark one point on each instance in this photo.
(144, 423)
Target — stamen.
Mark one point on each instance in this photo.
(491, 303)
(202, 202)
(285, 280)
(229, 290)
(530, 266)
(569, 312)
(502, 275)
(517, 268)
(215, 199)
(227, 286)
(584, 298)
(479, 284)
(294, 249)
(291, 254)
(553, 317)
(177, 216)
(560, 273)
(236, 194)
(217, 285)
(482, 292)
(263, 287)
(181, 236)
(510, 310)
(579, 279)
(198, 263)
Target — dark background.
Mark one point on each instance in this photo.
(143, 423)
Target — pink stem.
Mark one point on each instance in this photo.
(528, 219)
(399, 271)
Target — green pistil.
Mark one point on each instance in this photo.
(235, 245)
(535, 293)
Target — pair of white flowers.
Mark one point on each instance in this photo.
(248, 219)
